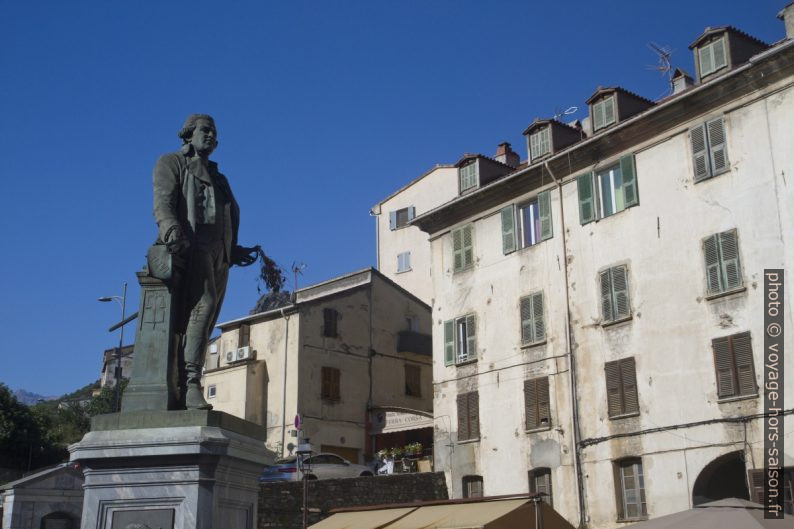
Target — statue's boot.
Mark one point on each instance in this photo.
(194, 395)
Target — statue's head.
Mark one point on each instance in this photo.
(199, 131)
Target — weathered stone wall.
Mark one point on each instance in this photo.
(280, 502)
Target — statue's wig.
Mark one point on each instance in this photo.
(190, 125)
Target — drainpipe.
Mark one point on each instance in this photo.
(377, 235)
(284, 386)
(572, 361)
(370, 355)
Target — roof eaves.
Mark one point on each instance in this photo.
(412, 182)
(709, 31)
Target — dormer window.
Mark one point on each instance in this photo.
(712, 56)
(604, 112)
(540, 143)
(467, 176)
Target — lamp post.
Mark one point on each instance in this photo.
(122, 300)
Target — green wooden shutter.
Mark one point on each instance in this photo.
(718, 53)
(474, 415)
(729, 257)
(598, 115)
(584, 184)
(468, 246)
(527, 326)
(745, 372)
(620, 288)
(614, 395)
(463, 417)
(471, 338)
(449, 342)
(607, 310)
(457, 249)
(700, 155)
(718, 154)
(544, 212)
(723, 365)
(508, 229)
(629, 175)
(538, 320)
(628, 375)
(712, 256)
(706, 60)
(609, 110)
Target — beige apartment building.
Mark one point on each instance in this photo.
(351, 356)
(598, 310)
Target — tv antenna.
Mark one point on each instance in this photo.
(297, 269)
(663, 66)
(567, 112)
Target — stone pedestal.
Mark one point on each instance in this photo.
(171, 469)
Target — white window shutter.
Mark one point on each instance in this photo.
(700, 156)
(411, 212)
(729, 253)
(609, 110)
(718, 154)
(508, 230)
(392, 220)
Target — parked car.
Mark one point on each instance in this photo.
(317, 466)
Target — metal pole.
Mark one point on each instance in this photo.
(305, 501)
(117, 406)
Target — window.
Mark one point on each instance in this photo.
(621, 378)
(404, 262)
(733, 364)
(608, 191)
(401, 217)
(711, 57)
(467, 176)
(330, 384)
(468, 416)
(413, 377)
(615, 303)
(532, 226)
(536, 403)
(723, 269)
(630, 489)
(244, 335)
(462, 248)
(709, 150)
(540, 482)
(533, 325)
(330, 317)
(757, 478)
(460, 341)
(412, 323)
(472, 486)
(211, 390)
(540, 143)
(604, 112)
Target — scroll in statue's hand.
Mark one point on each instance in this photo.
(243, 256)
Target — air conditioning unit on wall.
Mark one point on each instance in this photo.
(244, 353)
(231, 356)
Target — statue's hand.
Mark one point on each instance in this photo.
(243, 256)
(176, 241)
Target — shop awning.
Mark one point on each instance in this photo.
(363, 519)
(487, 514)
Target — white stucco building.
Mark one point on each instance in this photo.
(597, 313)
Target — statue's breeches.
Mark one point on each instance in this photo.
(208, 271)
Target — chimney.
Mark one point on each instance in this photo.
(681, 81)
(787, 16)
(506, 155)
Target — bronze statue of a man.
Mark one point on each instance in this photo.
(197, 220)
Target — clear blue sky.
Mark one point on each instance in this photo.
(323, 109)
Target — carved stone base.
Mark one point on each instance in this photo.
(199, 472)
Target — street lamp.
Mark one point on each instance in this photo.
(122, 300)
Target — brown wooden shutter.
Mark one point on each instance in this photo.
(743, 354)
(244, 335)
(325, 388)
(723, 365)
(614, 395)
(474, 415)
(544, 408)
(530, 405)
(628, 377)
(463, 417)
